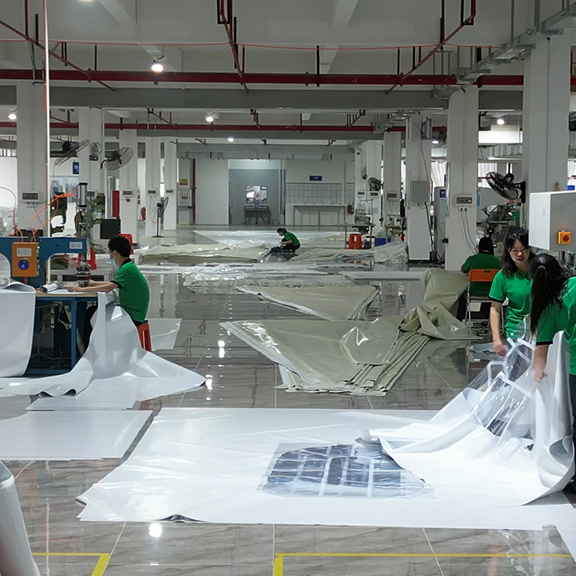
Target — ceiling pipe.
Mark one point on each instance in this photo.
(443, 40)
(231, 26)
(224, 128)
(258, 78)
(25, 36)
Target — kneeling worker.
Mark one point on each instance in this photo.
(133, 290)
(289, 242)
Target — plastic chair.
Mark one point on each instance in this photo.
(479, 276)
(145, 338)
(129, 236)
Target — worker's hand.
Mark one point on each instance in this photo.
(92, 283)
(499, 348)
(539, 375)
(72, 289)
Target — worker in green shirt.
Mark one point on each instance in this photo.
(512, 283)
(289, 242)
(484, 260)
(133, 290)
(553, 310)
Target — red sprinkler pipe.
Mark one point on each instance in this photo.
(443, 41)
(36, 43)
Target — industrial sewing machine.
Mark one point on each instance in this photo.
(29, 260)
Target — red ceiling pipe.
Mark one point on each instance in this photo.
(443, 40)
(86, 74)
(258, 78)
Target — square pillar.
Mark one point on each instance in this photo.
(374, 170)
(462, 181)
(91, 127)
(129, 183)
(392, 174)
(170, 182)
(153, 180)
(32, 153)
(418, 175)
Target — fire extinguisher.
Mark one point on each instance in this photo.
(143, 214)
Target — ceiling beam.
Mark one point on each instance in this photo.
(126, 17)
(262, 100)
(342, 12)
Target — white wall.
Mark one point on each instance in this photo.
(212, 197)
(8, 179)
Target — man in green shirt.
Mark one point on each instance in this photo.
(133, 290)
(288, 244)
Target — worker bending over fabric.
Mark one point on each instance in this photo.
(512, 283)
(288, 244)
(484, 260)
(133, 290)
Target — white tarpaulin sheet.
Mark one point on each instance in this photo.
(235, 466)
(327, 302)
(506, 440)
(391, 253)
(70, 435)
(203, 253)
(17, 309)
(386, 274)
(114, 370)
(270, 237)
(322, 255)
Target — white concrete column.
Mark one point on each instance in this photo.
(31, 151)
(170, 182)
(129, 183)
(392, 172)
(462, 176)
(91, 127)
(418, 172)
(359, 182)
(374, 170)
(545, 115)
(153, 179)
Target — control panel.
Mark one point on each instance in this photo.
(463, 200)
(152, 192)
(24, 259)
(33, 197)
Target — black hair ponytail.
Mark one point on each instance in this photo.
(548, 280)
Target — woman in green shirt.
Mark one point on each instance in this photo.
(553, 310)
(512, 283)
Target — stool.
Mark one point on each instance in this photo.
(145, 338)
(129, 237)
(355, 242)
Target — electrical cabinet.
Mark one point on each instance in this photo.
(549, 214)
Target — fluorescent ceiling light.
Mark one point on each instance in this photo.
(210, 118)
(230, 138)
(12, 116)
(500, 121)
(157, 66)
(435, 141)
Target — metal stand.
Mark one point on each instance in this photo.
(15, 554)
(159, 213)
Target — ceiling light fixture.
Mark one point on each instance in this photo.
(500, 121)
(230, 138)
(210, 118)
(12, 116)
(157, 66)
(435, 141)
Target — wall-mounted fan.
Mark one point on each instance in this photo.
(117, 158)
(374, 185)
(69, 150)
(505, 186)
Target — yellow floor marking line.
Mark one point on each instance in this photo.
(279, 559)
(101, 564)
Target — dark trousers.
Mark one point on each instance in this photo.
(461, 314)
(88, 325)
(288, 249)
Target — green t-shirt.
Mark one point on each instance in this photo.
(289, 236)
(517, 290)
(481, 262)
(133, 291)
(557, 318)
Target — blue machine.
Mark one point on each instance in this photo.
(47, 247)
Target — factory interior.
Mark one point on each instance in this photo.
(286, 289)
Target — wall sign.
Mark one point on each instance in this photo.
(315, 178)
(75, 167)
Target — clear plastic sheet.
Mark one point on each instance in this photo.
(504, 441)
(391, 253)
(189, 254)
(327, 302)
(114, 372)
